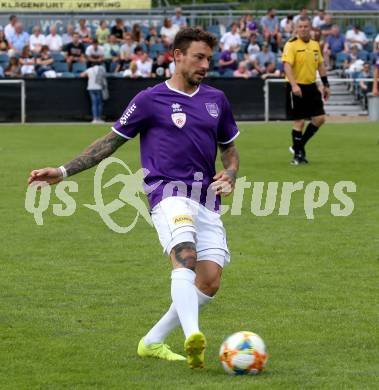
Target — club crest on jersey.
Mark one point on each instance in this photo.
(212, 109)
(179, 119)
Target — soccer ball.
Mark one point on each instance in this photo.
(243, 353)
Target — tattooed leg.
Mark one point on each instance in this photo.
(184, 255)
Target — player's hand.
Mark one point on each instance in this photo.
(296, 91)
(326, 93)
(47, 175)
(224, 182)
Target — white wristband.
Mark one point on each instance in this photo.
(63, 171)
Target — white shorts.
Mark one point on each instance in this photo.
(178, 219)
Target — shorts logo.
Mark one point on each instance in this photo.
(125, 117)
(212, 109)
(179, 119)
(183, 219)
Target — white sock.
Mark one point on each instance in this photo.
(170, 321)
(184, 298)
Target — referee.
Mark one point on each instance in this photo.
(302, 58)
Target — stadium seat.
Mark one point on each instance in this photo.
(4, 58)
(370, 31)
(57, 56)
(227, 73)
(363, 55)
(60, 67)
(78, 67)
(155, 49)
(340, 59)
(68, 75)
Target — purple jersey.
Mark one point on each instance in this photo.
(179, 134)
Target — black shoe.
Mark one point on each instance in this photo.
(299, 159)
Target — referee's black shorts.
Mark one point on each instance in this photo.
(310, 104)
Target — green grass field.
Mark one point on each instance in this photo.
(75, 297)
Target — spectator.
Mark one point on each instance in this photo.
(263, 59)
(75, 51)
(270, 71)
(132, 72)
(153, 36)
(137, 35)
(84, 32)
(228, 60)
(365, 86)
(18, 40)
(137, 54)
(13, 69)
(160, 67)
(1, 72)
(95, 54)
(144, 65)
(4, 45)
(54, 40)
(97, 84)
(126, 51)
(334, 44)
(252, 49)
(44, 64)
(111, 52)
(326, 27)
(287, 27)
(376, 43)
(251, 25)
(37, 40)
(270, 27)
(242, 71)
(319, 19)
(67, 37)
(353, 64)
(27, 62)
(302, 13)
(231, 39)
(356, 37)
(171, 68)
(9, 29)
(118, 30)
(168, 31)
(102, 33)
(178, 19)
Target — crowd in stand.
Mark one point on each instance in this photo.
(250, 47)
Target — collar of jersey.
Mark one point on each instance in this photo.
(181, 92)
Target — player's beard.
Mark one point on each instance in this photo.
(191, 80)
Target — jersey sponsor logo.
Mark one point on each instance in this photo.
(176, 107)
(179, 119)
(126, 115)
(212, 109)
(316, 56)
(179, 219)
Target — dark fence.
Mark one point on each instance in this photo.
(67, 100)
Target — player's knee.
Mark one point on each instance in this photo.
(185, 255)
(209, 286)
(318, 121)
(299, 124)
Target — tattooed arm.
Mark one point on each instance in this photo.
(226, 179)
(96, 152)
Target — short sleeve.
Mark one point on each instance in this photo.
(288, 54)
(135, 117)
(227, 128)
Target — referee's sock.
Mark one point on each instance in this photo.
(309, 133)
(297, 138)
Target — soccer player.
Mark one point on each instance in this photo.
(180, 123)
(302, 59)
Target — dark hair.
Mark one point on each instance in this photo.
(186, 36)
(304, 19)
